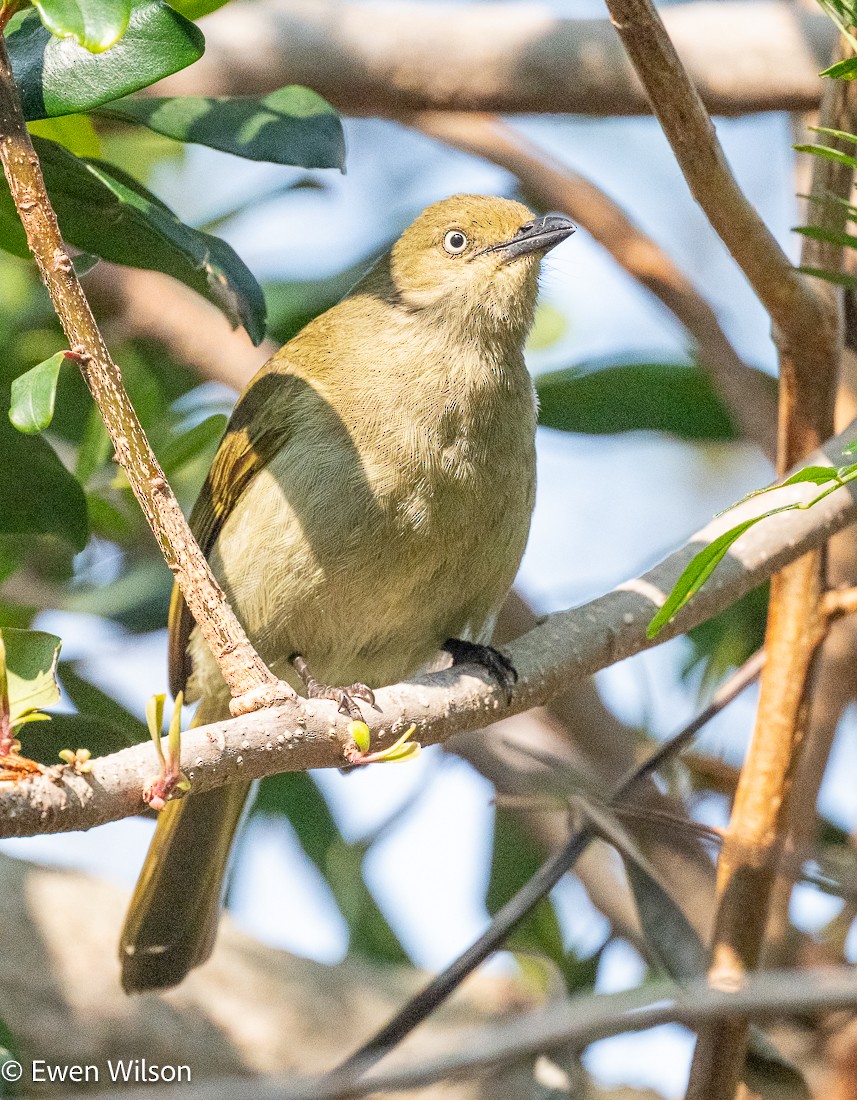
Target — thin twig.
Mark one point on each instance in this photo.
(748, 394)
(249, 680)
(539, 886)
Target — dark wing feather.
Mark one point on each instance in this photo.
(252, 438)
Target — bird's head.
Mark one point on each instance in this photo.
(476, 257)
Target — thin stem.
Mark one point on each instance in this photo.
(244, 671)
(538, 887)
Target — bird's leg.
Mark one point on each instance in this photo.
(344, 696)
(491, 659)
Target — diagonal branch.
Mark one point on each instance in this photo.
(249, 680)
(565, 645)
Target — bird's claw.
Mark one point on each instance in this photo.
(492, 660)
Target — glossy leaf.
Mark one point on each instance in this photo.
(292, 126)
(103, 211)
(196, 9)
(34, 394)
(31, 664)
(666, 397)
(94, 24)
(37, 494)
(56, 76)
(75, 132)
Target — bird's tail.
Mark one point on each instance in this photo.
(172, 920)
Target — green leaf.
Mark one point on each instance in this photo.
(843, 134)
(103, 211)
(56, 76)
(832, 236)
(92, 702)
(828, 154)
(37, 494)
(196, 9)
(34, 394)
(700, 568)
(291, 126)
(94, 24)
(842, 70)
(838, 278)
(197, 440)
(666, 397)
(31, 664)
(75, 132)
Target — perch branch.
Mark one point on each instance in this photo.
(244, 671)
(565, 645)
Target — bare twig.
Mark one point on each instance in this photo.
(747, 393)
(376, 58)
(249, 680)
(572, 1024)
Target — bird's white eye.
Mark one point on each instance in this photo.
(455, 242)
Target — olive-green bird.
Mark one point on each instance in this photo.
(367, 508)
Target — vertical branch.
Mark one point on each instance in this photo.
(249, 680)
(807, 330)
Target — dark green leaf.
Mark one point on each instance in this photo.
(842, 70)
(188, 445)
(94, 24)
(832, 236)
(56, 76)
(34, 394)
(828, 154)
(666, 397)
(701, 566)
(102, 211)
(723, 643)
(37, 494)
(291, 126)
(839, 278)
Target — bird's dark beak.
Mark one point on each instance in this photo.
(540, 235)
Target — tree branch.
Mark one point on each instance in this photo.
(249, 680)
(748, 394)
(568, 644)
(378, 58)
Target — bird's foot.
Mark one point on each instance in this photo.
(491, 659)
(345, 697)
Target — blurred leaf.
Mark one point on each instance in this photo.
(827, 153)
(56, 76)
(31, 663)
(188, 445)
(514, 861)
(831, 236)
(295, 796)
(94, 24)
(293, 305)
(105, 212)
(838, 278)
(95, 447)
(92, 701)
(666, 397)
(75, 132)
(138, 600)
(37, 494)
(34, 394)
(293, 125)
